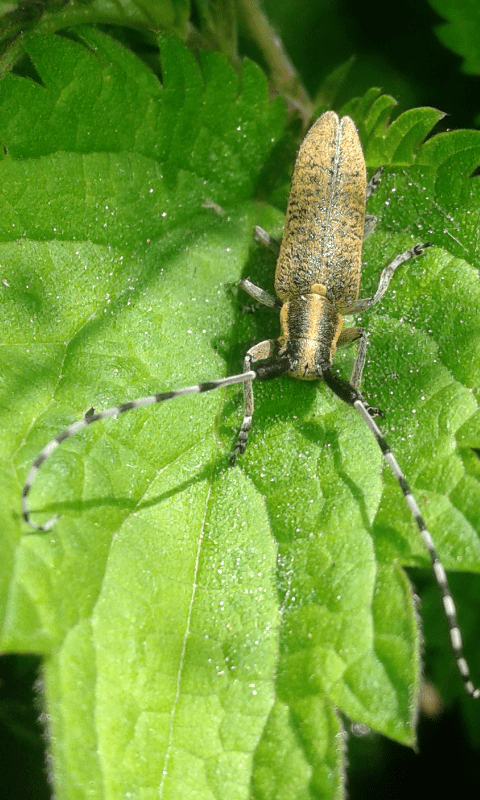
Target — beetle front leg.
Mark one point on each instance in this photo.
(347, 336)
(259, 352)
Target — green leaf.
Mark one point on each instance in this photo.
(202, 625)
(461, 33)
(24, 21)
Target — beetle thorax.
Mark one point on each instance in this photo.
(310, 327)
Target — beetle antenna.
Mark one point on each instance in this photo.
(76, 427)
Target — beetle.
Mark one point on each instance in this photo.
(317, 282)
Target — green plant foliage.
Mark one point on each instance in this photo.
(461, 32)
(21, 20)
(202, 625)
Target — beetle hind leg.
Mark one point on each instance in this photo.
(261, 236)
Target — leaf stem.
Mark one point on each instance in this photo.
(283, 72)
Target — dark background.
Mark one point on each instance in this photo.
(394, 45)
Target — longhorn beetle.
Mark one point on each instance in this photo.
(317, 279)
